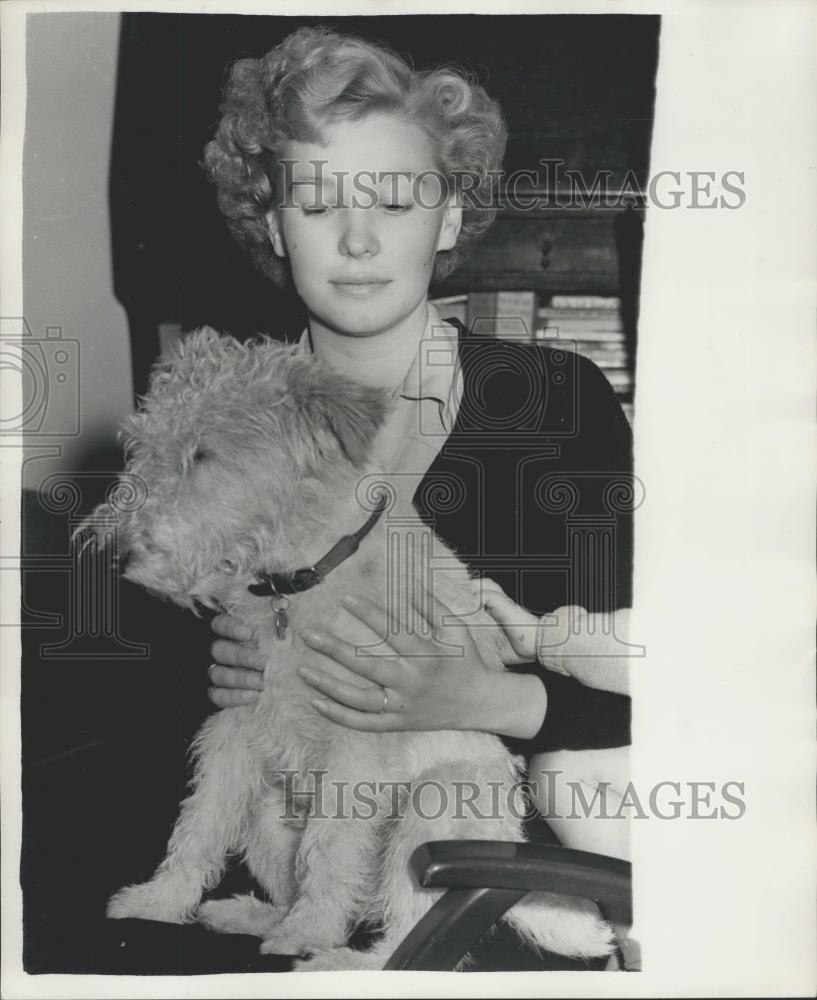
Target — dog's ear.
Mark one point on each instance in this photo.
(350, 411)
(354, 418)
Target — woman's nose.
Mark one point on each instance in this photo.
(358, 237)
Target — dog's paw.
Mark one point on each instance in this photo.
(240, 915)
(293, 938)
(284, 943)
(338, 960)
(150, 901)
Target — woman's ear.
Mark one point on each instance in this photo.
(451, 224)
(274, 229)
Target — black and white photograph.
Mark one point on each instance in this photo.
(408, 421)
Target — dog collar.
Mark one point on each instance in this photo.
(298, 580)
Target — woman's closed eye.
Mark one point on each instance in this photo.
(391, 208)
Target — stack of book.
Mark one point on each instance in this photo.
(591, 325)
(506, 314)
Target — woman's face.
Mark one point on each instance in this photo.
(361, 221)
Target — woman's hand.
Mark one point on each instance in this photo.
(547, 640)
(421, 683)
(236, 673)
(519, 625)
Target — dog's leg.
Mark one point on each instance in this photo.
(395, 898)
(272, 845)
(335, 870)
(240, 915)
(211, 823)
(270, 856)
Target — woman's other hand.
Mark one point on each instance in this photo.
(430, 678)
(236, 675)
(519, 625)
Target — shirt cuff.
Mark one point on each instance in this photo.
(577, 717)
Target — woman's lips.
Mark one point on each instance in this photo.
(361, 288)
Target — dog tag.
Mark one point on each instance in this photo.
(280, 619)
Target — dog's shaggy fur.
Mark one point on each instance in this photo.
(253, 456)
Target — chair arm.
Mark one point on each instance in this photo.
(499, 864)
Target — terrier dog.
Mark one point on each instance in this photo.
(255, 459)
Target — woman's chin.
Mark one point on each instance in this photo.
(364, 317)
(363, 323)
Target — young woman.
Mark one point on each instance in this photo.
(343, 170)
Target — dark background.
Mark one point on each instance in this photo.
(105, 726)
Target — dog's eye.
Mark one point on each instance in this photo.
(201, 454)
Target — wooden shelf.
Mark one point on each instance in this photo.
(547, 251)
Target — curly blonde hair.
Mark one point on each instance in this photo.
(315, 77)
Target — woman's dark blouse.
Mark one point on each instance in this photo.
(533, 489)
